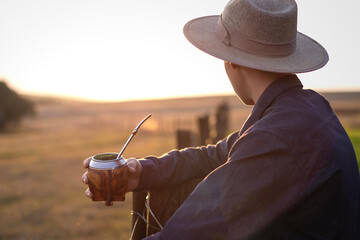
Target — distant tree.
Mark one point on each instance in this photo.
(13, 108)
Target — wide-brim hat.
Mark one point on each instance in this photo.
(259, 34)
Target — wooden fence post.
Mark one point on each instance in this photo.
(222, 121)
(204, 129)
(185, 138)
(139, 207)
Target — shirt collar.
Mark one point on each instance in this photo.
(271, 92)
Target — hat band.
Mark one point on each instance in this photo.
(241, 42)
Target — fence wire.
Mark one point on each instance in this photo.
(143, 217)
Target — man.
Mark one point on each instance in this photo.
(291, 171)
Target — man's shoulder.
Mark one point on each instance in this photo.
(296, 117)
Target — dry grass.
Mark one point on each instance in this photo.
(41, 194)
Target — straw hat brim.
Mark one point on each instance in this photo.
(308, 56)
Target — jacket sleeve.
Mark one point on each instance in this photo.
(241, 196)
(178, 166)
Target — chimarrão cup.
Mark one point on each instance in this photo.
(108, 177)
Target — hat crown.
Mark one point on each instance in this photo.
(267, 21)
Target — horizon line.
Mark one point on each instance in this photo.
(204, 95)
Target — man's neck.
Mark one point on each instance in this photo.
(260, 81)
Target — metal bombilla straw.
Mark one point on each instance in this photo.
(132, 135)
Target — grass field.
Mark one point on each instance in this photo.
(42, 196)
(354, 135)
(41, 193)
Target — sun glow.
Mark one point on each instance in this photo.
(106, 51)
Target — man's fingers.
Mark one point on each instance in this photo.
(85, 178)
(88, 193)
(86, 162)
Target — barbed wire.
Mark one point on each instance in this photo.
(142, 217)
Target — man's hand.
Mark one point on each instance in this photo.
(85, 178)
(134, 169)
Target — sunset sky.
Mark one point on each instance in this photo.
(119, 50)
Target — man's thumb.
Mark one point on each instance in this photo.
(131, 165)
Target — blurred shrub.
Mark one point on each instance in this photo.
(13, 108)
